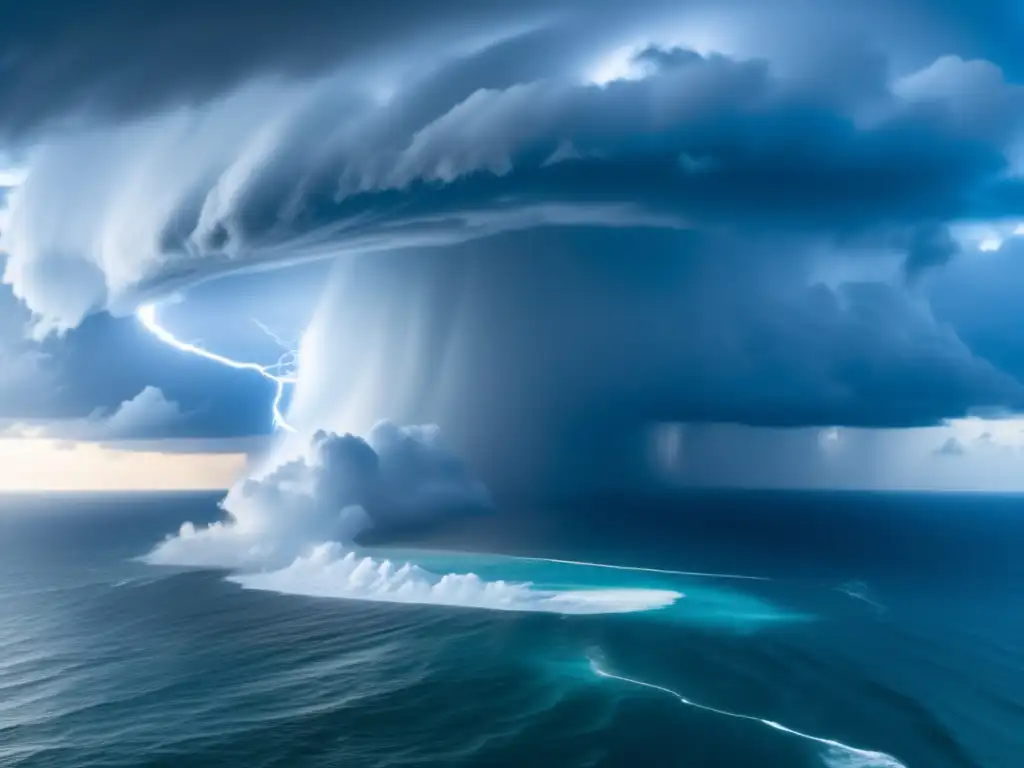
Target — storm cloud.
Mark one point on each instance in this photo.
(598, 216)
(505, 136)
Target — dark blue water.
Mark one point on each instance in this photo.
(892, 625)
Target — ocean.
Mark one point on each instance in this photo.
(739, 628)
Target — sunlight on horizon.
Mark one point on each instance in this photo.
(30, 465)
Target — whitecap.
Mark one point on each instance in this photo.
(331, 571)
(843, 758)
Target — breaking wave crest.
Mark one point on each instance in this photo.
(331, 571)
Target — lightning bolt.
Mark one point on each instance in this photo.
(282, 373)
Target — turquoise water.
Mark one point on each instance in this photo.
(889, 636)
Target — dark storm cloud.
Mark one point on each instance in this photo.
(274, 174)
(547, 352)
(980, 296)
(313, 129)
(117, 58)
(829, 356)
(930, 246)
(716, 143)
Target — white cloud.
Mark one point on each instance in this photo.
(148, 411)
(147, 414)
(338, 487)
(1006, 433)
(289, 531)
(975, 93)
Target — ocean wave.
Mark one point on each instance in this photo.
(836, 754)
(331, 571)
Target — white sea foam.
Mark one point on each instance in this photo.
(641, 569)
(291, 529)
(329, 570)
(837, 754)
(843, 758)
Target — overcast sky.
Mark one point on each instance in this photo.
(796, 229)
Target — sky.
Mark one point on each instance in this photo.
(595, 243)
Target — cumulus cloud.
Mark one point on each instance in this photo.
(148, 414)
(339, 487)
(973, 97)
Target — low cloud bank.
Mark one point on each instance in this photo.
(149, 413)
(340, 487)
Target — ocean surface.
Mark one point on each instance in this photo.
(876, 631)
